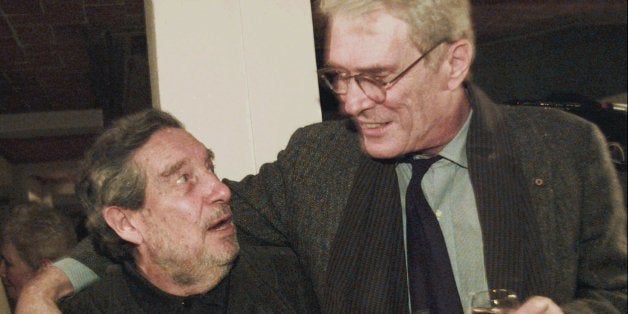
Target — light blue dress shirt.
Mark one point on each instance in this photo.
(447, 188)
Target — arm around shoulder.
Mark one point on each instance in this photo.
(40, 294)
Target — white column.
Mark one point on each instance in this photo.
(240, 74)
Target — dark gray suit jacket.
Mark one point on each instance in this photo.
(549, 202)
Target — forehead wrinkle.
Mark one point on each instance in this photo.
(173, 168)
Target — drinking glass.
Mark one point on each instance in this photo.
(494, 301)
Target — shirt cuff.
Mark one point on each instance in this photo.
(80, 276)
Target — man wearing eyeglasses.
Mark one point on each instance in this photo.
(517, 198)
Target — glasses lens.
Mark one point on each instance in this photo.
(333, 80)
(339, 83)
(371, 88)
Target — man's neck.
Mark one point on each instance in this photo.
(179, 283)
(460, 110)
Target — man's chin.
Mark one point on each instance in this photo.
(379, 150)
(230, 252)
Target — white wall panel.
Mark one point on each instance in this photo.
(240, 74)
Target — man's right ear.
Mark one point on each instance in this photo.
(122, 222)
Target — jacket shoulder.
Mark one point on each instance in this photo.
(326, 133)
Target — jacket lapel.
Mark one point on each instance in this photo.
(366, 272)
(514, 259)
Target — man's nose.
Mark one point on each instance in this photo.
(214, 190)
(354, 101)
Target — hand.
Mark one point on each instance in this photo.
(42, 292)
(539, 305)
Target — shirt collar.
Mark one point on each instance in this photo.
(455, 151)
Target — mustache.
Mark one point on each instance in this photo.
(220, 214)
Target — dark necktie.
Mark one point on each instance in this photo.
(432, 283)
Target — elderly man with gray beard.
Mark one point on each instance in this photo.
(158, 209)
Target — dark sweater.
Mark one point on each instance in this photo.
(269, 283)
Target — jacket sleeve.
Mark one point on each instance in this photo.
(259, 201)
(298, 199)
(601, 277)
(84, 266)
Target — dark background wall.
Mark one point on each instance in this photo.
(589, 61)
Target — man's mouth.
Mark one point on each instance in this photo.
(221, 224)
(370, 128)
(372, 125)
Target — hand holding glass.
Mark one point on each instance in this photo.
(494, 301)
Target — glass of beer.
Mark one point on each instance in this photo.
(494, 301)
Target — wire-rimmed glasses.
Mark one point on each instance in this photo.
(373, 88)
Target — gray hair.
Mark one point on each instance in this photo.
(38, 233)
(430, 21)
(111, 178)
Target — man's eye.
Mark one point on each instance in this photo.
(182, 179)
(377, 80)
(333, 75)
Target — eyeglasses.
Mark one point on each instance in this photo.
(373, 88)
